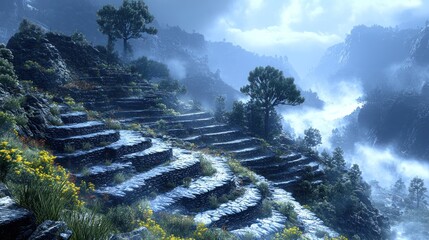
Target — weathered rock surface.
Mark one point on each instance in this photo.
(137, 234)
(15, 222)
(51, 230)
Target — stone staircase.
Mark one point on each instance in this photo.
(200, 128)
(152, 168)
(126, 167)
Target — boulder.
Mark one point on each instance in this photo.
(51, 230)
(137, 234)
(15, 222)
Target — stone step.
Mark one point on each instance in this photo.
(159, 153)
(194, 123)
(290, 157)
(237, 144)
(281, 166)
(233, 213)
(221, 136)
(156, 179)
(146, 119)
(178, 132)
(210, 129)
(196, 195)
(78, 142)
(129, 142)
(248, 152)
(262, 228)
(74, 117)
(135, 103)
(192, 116)
(76, 129)
(103, 175)
(139, 113)
(292, 172)
(260, 160)
(312, 225)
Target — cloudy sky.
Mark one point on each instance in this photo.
(299, 29)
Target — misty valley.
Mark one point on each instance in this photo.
(212, 120)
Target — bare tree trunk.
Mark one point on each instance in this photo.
(110, 44)
(266, 122)
(125, 49)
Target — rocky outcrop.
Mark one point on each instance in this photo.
(137, 234)
(51, 230)
(15, 222)
(37, 59)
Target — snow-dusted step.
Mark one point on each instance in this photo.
(312, 224)
(128, 142)
(233, 212)
(156, 179)
(104, 174)
(74, 117)
(77, 142)
(139, 113)
(194, 123)
(237, 144)
(192, 116)
(290, 173)
(75, 129)
(258, 160)
(263, 228)
(281, 166)
(210, 129)
(136, 103)
(248, 152)
(199, 190)
(157, 154)
(145, 119)
(221, 136)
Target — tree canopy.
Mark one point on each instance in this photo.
(128, 22)
(269, 88)
(417, 191)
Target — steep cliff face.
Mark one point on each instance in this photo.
(392, 66)
(370, 54)
(420, 49)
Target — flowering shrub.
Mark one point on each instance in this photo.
(38, 184)
(292, 233)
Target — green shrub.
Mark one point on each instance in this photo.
(292, 233)
(7, 123)
(187, 181)
(149, 69)
(46, 201)
(13, 103)
(87, 146)
(207, 167)
(213, 201)
(69, 148)
(266, 208)
(113, 124)
(119, 178)
(55, 110)
(288, 210)
(87, 225)
(241, 171)
(264, 189)
(176, 225)
(122, 217)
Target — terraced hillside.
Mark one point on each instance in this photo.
(201, 129)
(127, 167)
